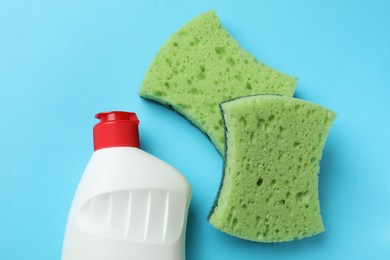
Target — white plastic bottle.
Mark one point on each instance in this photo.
(129, 204)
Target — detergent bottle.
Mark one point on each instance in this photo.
(129, 205)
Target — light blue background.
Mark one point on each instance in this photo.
(61, 62)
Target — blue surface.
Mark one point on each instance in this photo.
(63, 61)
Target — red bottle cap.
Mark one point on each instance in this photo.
(116, 128)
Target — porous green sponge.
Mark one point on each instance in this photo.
(200, 66)
(269, 192)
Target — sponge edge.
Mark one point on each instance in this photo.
(269, 189)
(200, 66)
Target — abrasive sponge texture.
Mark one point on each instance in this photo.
(269, 191)
(200, 66)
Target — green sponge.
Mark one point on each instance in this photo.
(200, 66)
(269, 192)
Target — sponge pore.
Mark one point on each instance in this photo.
(269, 189)
(200, 66)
